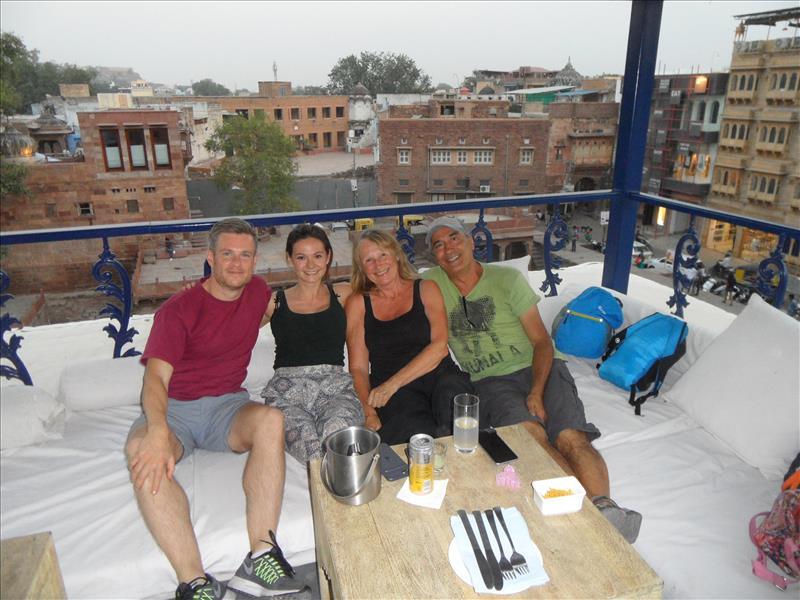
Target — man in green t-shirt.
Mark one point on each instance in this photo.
(498, 337)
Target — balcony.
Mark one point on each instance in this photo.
(690, 188)
(733, 144)
(94, 556)
(774, 148)
(783, 96)
(741, 113)
(742, 95)
(725, 190)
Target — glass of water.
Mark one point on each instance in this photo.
(465, 423)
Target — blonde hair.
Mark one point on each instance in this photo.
(360, 282)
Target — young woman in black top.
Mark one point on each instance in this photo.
(310, 385)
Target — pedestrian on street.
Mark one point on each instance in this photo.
(574, 237)
(730, 284)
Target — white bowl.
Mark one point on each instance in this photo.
(560, 505)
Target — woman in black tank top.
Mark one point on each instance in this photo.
(397, 344)
(310, 385)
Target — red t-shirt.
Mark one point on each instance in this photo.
(207, 341)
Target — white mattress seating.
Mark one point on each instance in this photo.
(706, 455)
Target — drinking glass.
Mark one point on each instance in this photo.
(465, 423)
(439, 454)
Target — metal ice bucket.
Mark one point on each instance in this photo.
(350, 467)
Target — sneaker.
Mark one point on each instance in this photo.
(203, 588)
(626, 521)
(266, 575)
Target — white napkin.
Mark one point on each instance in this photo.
(518, 529)
(433, 499)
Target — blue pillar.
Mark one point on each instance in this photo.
(645, 25)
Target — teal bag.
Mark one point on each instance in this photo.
(639, 356)
(586, 323)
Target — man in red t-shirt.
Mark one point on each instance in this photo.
(192, 397)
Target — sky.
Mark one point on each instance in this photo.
(235, 43)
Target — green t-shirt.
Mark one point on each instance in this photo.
(488, 339)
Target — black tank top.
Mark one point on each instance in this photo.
(308, 339)
(392, 344)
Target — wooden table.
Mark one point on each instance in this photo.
(29, 568)
(388, 548)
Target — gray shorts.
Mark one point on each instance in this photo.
(203, 423)
(503, 401)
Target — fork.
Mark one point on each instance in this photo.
(505, 567)
(517, 560)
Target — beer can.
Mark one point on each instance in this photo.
(420, 455)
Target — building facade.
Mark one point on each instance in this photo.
(131, 170)
(682, 142)
(431, 152)
(757, 172)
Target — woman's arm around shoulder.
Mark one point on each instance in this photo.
(270, 310)
(358, 357)
(433, 301)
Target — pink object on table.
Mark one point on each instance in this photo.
(508, 478)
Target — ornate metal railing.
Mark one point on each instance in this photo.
(114, 280)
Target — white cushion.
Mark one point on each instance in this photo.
(29, 415)
(102, 383)
(745, 388)
(260, 370)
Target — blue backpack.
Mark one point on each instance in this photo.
(639, 356)
(585, 325)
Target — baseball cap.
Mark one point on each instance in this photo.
(451, 222)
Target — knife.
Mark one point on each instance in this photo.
(493, 566)
(483, 566)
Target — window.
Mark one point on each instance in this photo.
(402, 182)
(149, 189)
(461, 157)
(111, 149)
(85, 209)
(524, 183)
(793, 81)
(462, 141)
(750, 83)
(725, 131)
(464, 183)
(404, 157)
(526, 156)
(312, 138)
(762, 185)
(771, 187)
(168, 203)
(440, 157)
(714, 112)
(50, 209)
(782, 85)
(404, 197)
(295, 114)
(484, 157)
(159, 138)
(115, 190)
(326, 112)
(743, 130)
(782, 135)
(438, 182)
(701, 111)
(136, 153)
(339, 112)
(326, 139)
(278, 114)
(311, 112)
(340, 140)
(725, 178)
(734, 129)
(772, 133)
(559, 153)
(133, 206)
(243, 112)
(742, 82)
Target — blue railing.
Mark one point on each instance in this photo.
(624, 200)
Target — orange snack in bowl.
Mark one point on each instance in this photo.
(556, 492)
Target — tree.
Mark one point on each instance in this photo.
(310, 90)
(258, 165)
(380, 72)
(12, 56)
(30, 80)
(207, 87)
